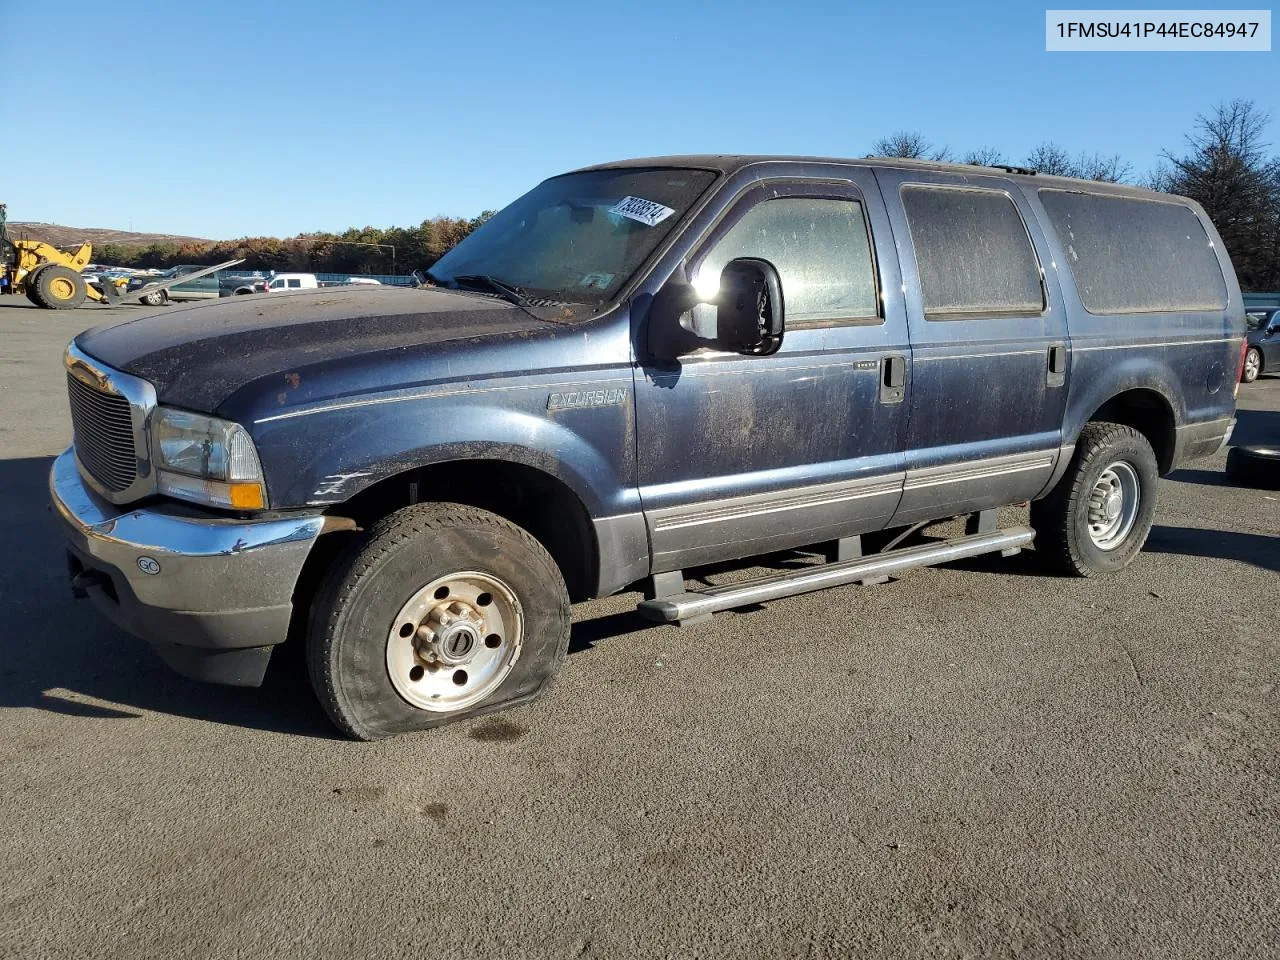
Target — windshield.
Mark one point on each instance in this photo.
(576, 238)
(1256, 320)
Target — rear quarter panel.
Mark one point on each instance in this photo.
(1190, 358)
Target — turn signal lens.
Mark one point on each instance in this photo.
(237, 495)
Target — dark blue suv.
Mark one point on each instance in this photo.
(636, 369)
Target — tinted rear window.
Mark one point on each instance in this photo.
(972, 252)
(1136, 256)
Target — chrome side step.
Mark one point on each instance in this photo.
(694, 607)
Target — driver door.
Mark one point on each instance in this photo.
(742, 454)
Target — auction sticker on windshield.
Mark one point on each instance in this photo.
(647, 212)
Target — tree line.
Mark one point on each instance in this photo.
(361, 250)
(1225, 164)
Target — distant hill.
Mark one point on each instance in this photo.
(61, 236)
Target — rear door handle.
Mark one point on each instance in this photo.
(893, 378)
(1057, 375)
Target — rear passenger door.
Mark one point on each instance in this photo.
(989, 348)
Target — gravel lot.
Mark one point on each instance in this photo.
(975, 760)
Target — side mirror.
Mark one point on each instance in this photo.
(742, 314)
(749, 308)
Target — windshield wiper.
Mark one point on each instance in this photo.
(504, 290)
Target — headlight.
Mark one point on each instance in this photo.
(207, 460)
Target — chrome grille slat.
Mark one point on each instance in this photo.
(103, 426)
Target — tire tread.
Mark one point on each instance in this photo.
(1053, 515)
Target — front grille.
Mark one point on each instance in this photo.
(103, 424)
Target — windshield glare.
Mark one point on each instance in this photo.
(577, 238)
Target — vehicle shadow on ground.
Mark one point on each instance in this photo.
(587, 633)
(1254, 548)
(1207, 478)
(1255, 427)
(56, 650)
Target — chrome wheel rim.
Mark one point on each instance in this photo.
(1113, 505)
(454, 641)
(1251, 365)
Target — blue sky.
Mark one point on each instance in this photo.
(244, 118)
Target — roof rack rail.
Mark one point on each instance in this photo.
(1010, 168)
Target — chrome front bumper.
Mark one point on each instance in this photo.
(212, 595)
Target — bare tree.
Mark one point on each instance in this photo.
(1228, 168)
(909, 144)
(1159, 178)
(1051, 159)
(1094, 166)
(984, 157)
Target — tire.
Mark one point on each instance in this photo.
(416, 567)
(1252, 365)
(1255, 467)
(1108, 457)
(33, 291)
(60, 288)
(157, 299)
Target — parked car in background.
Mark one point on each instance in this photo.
(364, 282)
(201, 288)
(292, 281)
(1262, 355)
(240, 283)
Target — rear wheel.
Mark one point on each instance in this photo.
(60, 287)
(1098, 516)
(1252, 365)
(33, 291)
(440, 613)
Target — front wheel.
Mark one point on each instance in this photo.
(1097, 517)
(157, 298)
(440, 613)
(1252, 365)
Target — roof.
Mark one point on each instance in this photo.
(729, 163)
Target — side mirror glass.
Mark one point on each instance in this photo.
(748, 306)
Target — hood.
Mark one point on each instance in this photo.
(197, 356)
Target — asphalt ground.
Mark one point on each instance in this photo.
(976, 760)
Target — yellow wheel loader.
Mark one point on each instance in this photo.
(51, 277)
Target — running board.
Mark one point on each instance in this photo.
(694, 607)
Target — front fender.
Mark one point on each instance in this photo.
(327, 456)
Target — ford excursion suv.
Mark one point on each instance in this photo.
(633, 370)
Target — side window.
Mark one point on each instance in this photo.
(973, 253)
(821, 249)
(1130, 255)
(295, 284)
(277, 284)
